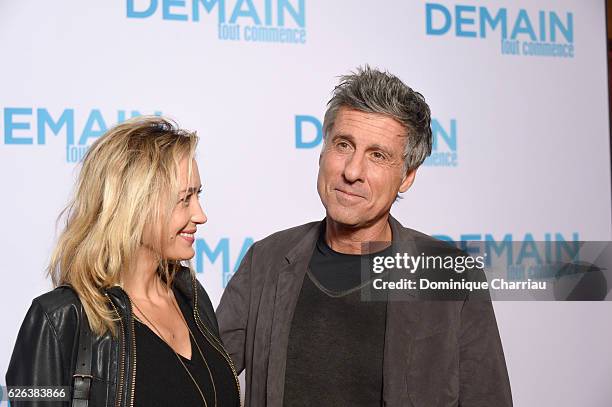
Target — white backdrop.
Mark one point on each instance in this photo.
(526, 136)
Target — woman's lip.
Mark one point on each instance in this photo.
(189, 240)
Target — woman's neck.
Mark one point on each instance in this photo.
(142, 281)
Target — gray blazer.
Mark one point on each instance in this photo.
(437, 353)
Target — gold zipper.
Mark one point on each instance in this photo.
(222, 351)
(220, 347)
(134, 356)
(122, 368)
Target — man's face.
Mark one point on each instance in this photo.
(361, 167)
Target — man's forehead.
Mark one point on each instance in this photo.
(350, 115)
(352, 122)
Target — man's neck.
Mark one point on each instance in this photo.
(349, 240)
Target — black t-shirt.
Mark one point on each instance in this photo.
(336, 342)
(162, 381)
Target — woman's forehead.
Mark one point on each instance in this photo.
(184, 180)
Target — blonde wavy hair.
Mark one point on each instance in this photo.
(129, 177)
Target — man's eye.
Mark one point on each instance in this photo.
(378, 155)
(342, 145)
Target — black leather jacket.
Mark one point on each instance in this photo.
(46, 348)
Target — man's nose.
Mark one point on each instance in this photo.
(354, 167)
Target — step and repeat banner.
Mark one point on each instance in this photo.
(517, 90)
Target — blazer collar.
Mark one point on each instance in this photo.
(302, 251)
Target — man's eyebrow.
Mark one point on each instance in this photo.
(191, 189)
(381, 147)
(374, 146)
(343, 136)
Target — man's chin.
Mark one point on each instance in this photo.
(341, 217)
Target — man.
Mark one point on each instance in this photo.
(294, 313)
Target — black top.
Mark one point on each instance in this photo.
(162, 381)
(336, 342)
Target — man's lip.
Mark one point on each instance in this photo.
(188, 231)
(348, 193)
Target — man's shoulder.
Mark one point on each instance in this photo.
(418, 235)
(288, 237)
(423, 241)
(406, 233)
(284, 240)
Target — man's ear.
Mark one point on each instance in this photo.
(408, 180)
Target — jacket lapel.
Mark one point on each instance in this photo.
(185, 282)
(403, 315)
(288, 286)
(127, 346)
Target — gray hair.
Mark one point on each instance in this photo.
(373, 91)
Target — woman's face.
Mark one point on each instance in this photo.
(177, 241)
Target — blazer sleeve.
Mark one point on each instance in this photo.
(233, 311)
(482, 368)
(37, 358)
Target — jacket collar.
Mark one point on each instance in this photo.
(183, 282)
(303, 249)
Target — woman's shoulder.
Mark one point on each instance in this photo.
(45, 339)
(54, 314)
(62, 300)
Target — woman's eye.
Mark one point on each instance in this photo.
(185, 199)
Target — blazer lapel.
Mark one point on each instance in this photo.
(403, 315)
(288, 287)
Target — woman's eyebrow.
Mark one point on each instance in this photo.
(191, 189)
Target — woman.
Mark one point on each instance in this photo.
(128, 324)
